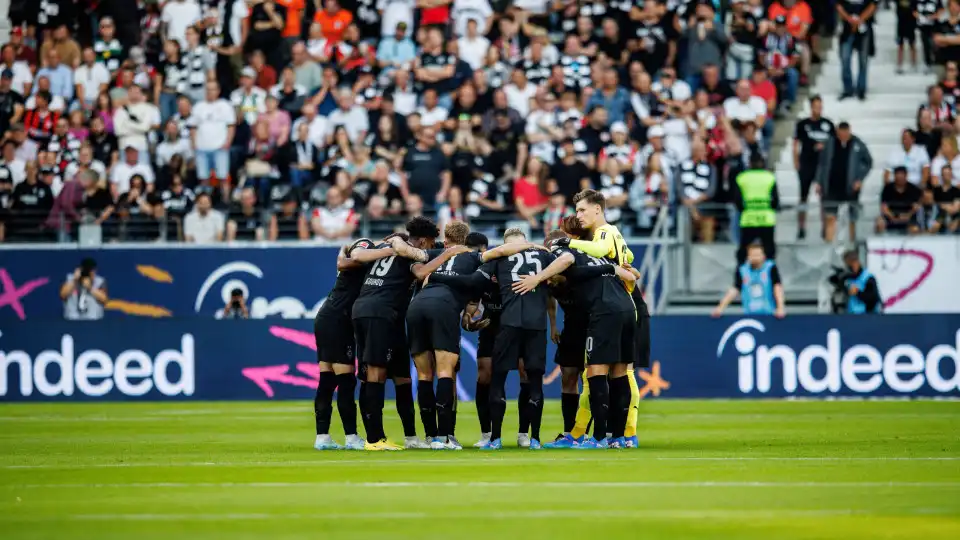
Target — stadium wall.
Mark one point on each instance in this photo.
(128, 358)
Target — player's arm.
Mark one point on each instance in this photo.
(422, 270)
(552, 315)
(507, 250)
(529, 283)
(361, 256)
(407, 251)
(601, 246)
(473, 283)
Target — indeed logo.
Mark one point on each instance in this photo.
(94, 373)
(829, 368)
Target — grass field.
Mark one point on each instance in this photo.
(706, 470)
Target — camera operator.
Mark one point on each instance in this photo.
(861, 286)
(84, 293)
(236, 308)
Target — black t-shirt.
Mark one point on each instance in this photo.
(367, 18)
(940, 195)
(527, 311)
(465, 166)
(425, 168)
(98, 201)
(717, 94)
(568, 177)
(856, 7)
(458, 265)
(950, 29)
(386, 288)
(103, 147)
(900, 202)
(247, 224)
(811, 132)
(264, 40)
(653, 39)
(346, 288)
(505, 141)
(8, 101)
(745, 29)
(177, 203)
(492, 306)
(926, 11)
(594, 139)
(774, 277)
(441, 60)
(32, 199)
(951, 94)
(930, 141)
(600, 293)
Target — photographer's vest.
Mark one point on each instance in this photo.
(856, 306)
(81, 305)
(756, 289)
(756, 188)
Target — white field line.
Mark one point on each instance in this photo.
(487, 460)
(498, 515)
(490, 485)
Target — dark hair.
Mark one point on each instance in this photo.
(571, 225)
(592, 197)
(757, 161)
(815, 98)
(88, 264)
(422, 227)
(236, 292)
(476, 240)
(843, 125)
(203, 195)
(553, 235)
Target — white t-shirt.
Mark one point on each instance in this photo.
(203, 229)
(178, 16)
(745, 112)
(678, 91)
(211, 120)
(914, 161)
(518, 99)
(464, 10)
(56, 103)
(676, 139)
(316, 132)
(939, 162)
(240, 12)
(250, 105)
(432, 116)
(91, 78)
(333, 219)
(22, 76)
(95, 166)
(18, 169)
(394, 13)
(537, 7)
(473, 51)
(123, 172)
(355, 120)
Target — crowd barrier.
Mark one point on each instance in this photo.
(693, 357)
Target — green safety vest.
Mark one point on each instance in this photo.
(756, 188)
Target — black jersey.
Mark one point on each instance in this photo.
(809, 133)
(386, 288)
(595, 284)
(526, 311)
(347, 287)
(492, 305)
(458, 265)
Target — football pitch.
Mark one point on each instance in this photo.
(705, 470)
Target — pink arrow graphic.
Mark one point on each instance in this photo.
(308, 369)
(11, 295)
(304, 339)
(263, 376)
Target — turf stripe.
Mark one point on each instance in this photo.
(579, 485)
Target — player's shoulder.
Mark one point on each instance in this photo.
(365, 243)
(608, 230)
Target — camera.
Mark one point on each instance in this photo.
(839, 295)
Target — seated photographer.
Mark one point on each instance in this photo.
(899, 203)
(861, 286)
(236, 308)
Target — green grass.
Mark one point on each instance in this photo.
(706, 470)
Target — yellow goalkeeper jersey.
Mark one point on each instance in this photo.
(607, 243)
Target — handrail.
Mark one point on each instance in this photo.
(654, 260)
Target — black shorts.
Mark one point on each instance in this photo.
(807, 174)
(611, 338)
(906, 30)
(334, 337)
(571, 350)
(514, 343)
(486, 339)
(382, 343)
(433, 326)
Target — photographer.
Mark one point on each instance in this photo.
(236, 308)
(84, 293)
(861, 287)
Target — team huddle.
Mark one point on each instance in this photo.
(406, 296)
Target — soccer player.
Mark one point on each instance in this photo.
(333, 330)
(523, 331)
(379, 323)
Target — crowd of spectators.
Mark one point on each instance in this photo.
(210, 120)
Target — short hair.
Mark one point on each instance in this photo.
(571, 225)
(475, 240)
(843, 125)
(553, 235)
(757, 161)
(756, 244)
(513, 231)
(816, 98)
(203, 195)
(851, 255)
(456, 232)
(422, 227)
(592, 196)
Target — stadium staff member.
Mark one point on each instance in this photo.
(757, 281)
(864, 295)
(756, 196)
(84, 293)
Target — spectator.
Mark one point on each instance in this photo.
(810, 138)
(289, 223)
(246, 221)
(196, 66)
(696, 188)
(947, 197)
(333, 20)
(705, 42)
(335, 220)
(941, 111)
(928, 17)
(84, 293)
(427, 169)
(56, 103)
(20, 74)
(907, 33)
(557, 210)
(59, 76)
(91, 79)
(650, 191)
(131, 166)
(106, 148)
(473, 46)
(799, 18)
(176, 17)
(856, 36)
(260, 166)
(613, 185)
(203, 225)
(67, 48)
(173, 145)
(899, 203)
(745, 107)
(948, 155)
(927, 136)
(434, 68)
(308, 74)
(63, 145)
(611, 96)
(39, 120)
(780, 57)
(267, 23)
(212, 130)
(278, 121)
(351, 116)
(248, 99)
(744, 33)
(911, 156)
(528, 195)
(266, 74)
(30, 204)
(105, 110)
(134, 121)
(10, 161)
(844, 165)
(109, 50)
(929, 219)
(177, 199)
(452, 210)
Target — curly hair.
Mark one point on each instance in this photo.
(477, 240)
(421, 227)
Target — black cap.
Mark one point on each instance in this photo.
(6, 74)
(781, 19)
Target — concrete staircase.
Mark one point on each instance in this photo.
(891, 105)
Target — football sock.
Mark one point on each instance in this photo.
(619, 404)
(498, 404)
(405, 409)
(535, 403)
(362, 405)
(568, 405)
(346, 404)
(599, 404)
(374, 413)
(323, 401)
(445, 406)
(631, 428)
(522, 400)
(483, 407)
(428, 408)
(584, 416)
(456, 407)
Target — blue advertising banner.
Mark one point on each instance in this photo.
(278, 281)
(693, 357)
